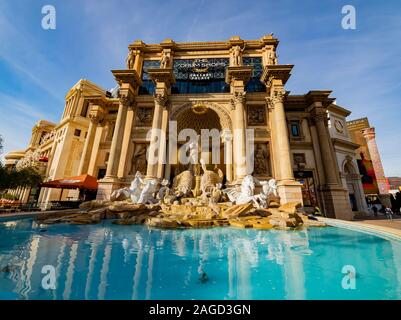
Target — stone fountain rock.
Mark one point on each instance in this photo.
(206, 210)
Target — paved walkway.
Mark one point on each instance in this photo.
(383, 222)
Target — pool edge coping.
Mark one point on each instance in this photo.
(368, 228)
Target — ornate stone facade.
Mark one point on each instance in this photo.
(232, 86)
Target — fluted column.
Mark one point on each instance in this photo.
(163, 79)
(237, 77)
(155, 139)
(370, 137)
(281, 143)
(116, 142)
(319, 116)
(228, 155)
(238, 101)
(124, 164)
(95, 115)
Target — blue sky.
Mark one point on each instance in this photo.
(362, 66)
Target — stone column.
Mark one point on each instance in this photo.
(237, 77)
(155, 147)
(117, 140)
(275, 77)
(370, 137)
(129, 83)
(163, 78)
(238, 102)
(320, 118)
(163, 147)
(124, 164)
(95, 115)
(228, 155)
(334, 197)
(282, 154)
(95, 150)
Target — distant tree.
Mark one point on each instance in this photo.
(12, 178)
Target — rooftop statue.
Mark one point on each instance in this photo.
(237, 58)
(130, 61)
(164, 61)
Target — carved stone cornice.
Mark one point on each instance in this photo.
(207, 46)
(238, 73)
(276, 72)
(127, 76)
(319, 97)
(164, 75)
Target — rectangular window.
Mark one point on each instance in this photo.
(77, 133)
(295, 129)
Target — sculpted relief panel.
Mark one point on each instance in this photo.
(138, 162)
(256, 115)
(261, 159)
(144, 116)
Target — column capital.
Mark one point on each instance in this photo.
(278, 96)
(161, 99)
(126, 99)
(238, 97)
(96, 113)
(369, 133)
(319, 115)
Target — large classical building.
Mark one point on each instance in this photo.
(300, 140)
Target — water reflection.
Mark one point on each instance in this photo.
(134, 262)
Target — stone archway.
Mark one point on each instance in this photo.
(354, 186)
(224, 116)
(198, 115)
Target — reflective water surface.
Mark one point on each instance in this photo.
(107, 261)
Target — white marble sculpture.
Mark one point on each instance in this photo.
(148, 191)
(247, 189)
(133, 192)
(269, 189)
(245, 194)
(136, 187)
(164, 190)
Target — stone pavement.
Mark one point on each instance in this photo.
(383, 222)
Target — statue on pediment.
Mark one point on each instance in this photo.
(237, 55)
(130, 61)
(164, 61)
(272, 58)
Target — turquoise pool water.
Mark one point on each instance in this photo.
(107, 261)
